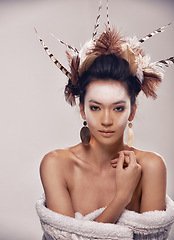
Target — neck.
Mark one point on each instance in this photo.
(101, 154)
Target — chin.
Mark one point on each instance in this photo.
(107, 141)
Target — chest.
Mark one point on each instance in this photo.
(90, 191)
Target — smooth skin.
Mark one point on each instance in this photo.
(107, 173)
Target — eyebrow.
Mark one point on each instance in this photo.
(93, 101)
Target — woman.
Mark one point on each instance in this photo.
(102, 171)
(85, 178)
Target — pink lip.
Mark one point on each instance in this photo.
(106, 133)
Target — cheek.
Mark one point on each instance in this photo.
(91, 118)
(122, 119)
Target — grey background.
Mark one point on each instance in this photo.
(35, 118)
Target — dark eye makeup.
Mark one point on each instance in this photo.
(94, 108)
(119, 108)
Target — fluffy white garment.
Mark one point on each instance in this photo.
(130, 225)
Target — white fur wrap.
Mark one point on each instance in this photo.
(131, 225)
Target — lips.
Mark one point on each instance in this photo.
(106, 133)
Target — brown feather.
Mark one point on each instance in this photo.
(109, 42)
(69, 57)
(72, 84)
(138, 50)
(69, 96)
(74, 70)
(150, 84)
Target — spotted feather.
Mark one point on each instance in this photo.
(56, 62)
(97, 23)
(167, 62)
(107, 15)
(67, 45)
(159, 30)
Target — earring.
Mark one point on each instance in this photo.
(85, 134)
(130, 135)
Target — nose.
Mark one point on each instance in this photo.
(106, 119)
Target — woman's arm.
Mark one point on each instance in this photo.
(153, 183)
(52, 171)
(127, 179)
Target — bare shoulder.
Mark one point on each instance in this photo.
(55, 156)
(55, 169)
(56, 160)
(150, 161)
(147, 159)
(153, 181)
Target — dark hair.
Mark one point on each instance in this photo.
(110, 67)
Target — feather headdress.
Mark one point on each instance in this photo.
(148, 74)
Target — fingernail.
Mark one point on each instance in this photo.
(121, 154)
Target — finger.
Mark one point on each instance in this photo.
(126, 158)
(132, 158)
(127, 152)
(131, 155)
(120, 160)
(115, 160)
(114, 165)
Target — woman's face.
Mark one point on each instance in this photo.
(107, 109)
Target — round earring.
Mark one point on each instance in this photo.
(130, 135)
(85, 134)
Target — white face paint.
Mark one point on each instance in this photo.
(107, 109)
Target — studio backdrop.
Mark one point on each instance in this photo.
(35, 117)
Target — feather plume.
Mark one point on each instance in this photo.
(135, 46)
(109, 42)
(139, 74)
(71, 88)
(69, 96)
(107, 15)
(97, 23)
(69, 57)
(167, 62)
(71, 100)
(150, 83)
(86, 50)
(159, 30)
(56, 62)
(75, 70)
(67, 45)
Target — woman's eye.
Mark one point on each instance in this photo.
(94, 108)
(119, 109)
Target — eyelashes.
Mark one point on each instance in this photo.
(94, 108)
(120, 109)
(117, 109)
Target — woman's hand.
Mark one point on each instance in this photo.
(128, 173)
